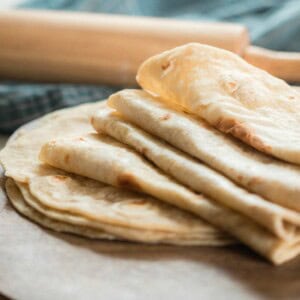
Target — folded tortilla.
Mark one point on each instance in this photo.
(23, 208)
(162, 224)
(101, 211)
(275, 180)
(20, 156)
(101, 158)
(232, 95)
(281, 221)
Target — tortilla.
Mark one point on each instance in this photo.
(192, 173)
(190, 231)
(23, 208)
(232, 95)
(20, 158)
(104, 159)
(276, 181)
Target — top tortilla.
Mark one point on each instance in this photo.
(232, 95)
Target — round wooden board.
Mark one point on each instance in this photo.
(36, 263)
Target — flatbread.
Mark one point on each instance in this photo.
(104, 159)
(281, 221)
(232, 95)
(107, 205)
(189, 232)
(23, 208)
(101, 158)
(20, 158)
(274, 180)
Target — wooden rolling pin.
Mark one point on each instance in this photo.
(98, 48)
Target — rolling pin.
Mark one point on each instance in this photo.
(52, 46)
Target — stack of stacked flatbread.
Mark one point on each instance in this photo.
(206, 154)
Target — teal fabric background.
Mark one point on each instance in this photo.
(274, 24)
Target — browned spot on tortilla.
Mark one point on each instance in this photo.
(128, 180)
(138, 202)
(165, 117)
(198, 193)
(144, 150)
(165, 65)
(231, 86)
(81, 139)
(60, 177)
(240, 177)
(254, 181)
(92, 120)
(67, 158)
(242, 132)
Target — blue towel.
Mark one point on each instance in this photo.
(273, 24)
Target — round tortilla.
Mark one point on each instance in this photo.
(165, 224)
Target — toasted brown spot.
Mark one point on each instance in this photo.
(138, 202)
(231, 86)
(165, 65)
(128, 180)
(60, 177)
(81, 139)
(144, 150)
(165, 117)
(67, 158)
(240, 177)
(242, 132)
(92, 120)
(198, 193)
(254, 182)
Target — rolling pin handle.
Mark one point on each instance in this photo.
(285, 65)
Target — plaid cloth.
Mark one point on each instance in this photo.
(273, 24)
(21, 103)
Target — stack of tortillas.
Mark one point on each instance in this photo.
(206, 154)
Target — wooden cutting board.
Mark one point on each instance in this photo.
(36, 263)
